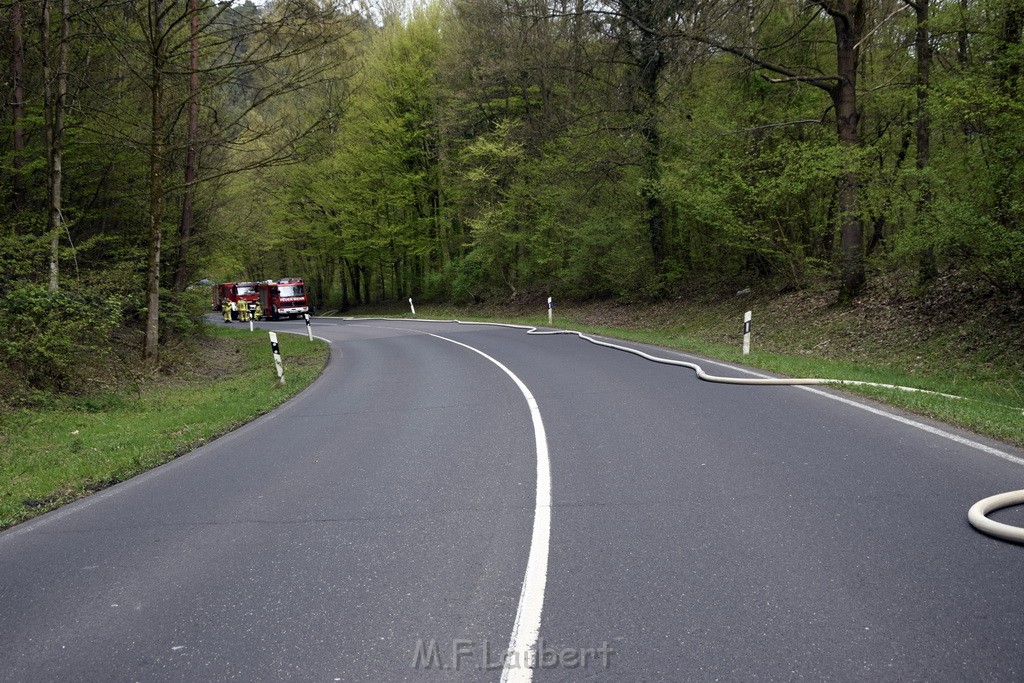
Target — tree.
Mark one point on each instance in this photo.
(977, 111)
(17, 104)
(276, 63)
(191, 156)
(645, 30)
(922, 126)
(848, 19)
(54, 107)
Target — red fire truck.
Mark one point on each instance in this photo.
(286, 297)
(220, 293)
(240, 292)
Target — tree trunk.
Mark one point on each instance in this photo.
(651, 63)
(54, 117)
(922, 45)
(156, 180)
(343, 277)
(59, 225)
(353, 272)
(191, 163)
(962, 36)
(655, 204)
(848, 24)
(44, 52)
(1013, 24)
(927, 268)
(18, 105)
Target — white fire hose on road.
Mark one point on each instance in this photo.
(977, 515)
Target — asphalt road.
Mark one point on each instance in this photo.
(378, 528)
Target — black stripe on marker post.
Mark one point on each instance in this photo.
(278, 364)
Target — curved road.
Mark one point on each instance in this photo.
(378, 528)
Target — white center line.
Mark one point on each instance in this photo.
(522, 646)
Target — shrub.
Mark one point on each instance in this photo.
(181, 315)
(55, 341)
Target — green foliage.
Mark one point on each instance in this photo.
(21, 257)
(182, 314)
(750, 202)
(975, 221)
(56, 341)
(471, 277)
(472, 150)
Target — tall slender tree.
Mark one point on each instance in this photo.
(55, 105)
(156, 38)
(191, 153)
(648, 25)
(928, 268)
(17, 103)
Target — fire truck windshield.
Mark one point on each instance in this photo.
(291, 290)
(246, 289)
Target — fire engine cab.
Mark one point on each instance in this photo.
(221, 293)
(285, 297)
(242, 293)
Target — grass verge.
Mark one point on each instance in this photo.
(78, 445)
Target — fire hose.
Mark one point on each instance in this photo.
(978, 513)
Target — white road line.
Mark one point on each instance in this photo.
(301, 334)
(970, 443)
(920, 425)
(522, 646)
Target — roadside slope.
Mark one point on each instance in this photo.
(79, 445)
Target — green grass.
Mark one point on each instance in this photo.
(51, 456)
(993, 390)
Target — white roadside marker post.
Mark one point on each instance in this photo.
(551, 311)
(277, 358)
(746, 333)
(309, 328)
(411, 307)
(250, 323)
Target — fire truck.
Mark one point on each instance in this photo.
(285, 297)
(220, 293)
(240, 292)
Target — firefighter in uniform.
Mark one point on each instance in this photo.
(225, 307)
(257, 312)
(243, 311)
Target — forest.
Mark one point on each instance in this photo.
(489, 150)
